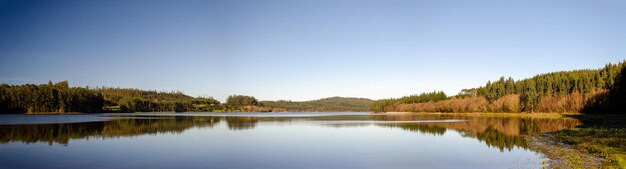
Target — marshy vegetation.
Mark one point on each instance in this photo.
(601, 135)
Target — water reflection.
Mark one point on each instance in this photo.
(501, 132)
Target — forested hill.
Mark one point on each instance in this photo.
(588, 91)
(136, 100)
(61, 98)
(332, 104)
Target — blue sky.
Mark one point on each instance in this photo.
(304, 49)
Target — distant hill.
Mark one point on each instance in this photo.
(339, 104)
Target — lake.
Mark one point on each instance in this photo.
(271, 140)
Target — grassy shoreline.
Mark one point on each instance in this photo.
(602, 136)
(560, 155)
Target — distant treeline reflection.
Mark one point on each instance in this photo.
(501, 132)
(135, 126)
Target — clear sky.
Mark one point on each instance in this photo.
(304, 49)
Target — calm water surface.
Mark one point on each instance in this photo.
(270, 140)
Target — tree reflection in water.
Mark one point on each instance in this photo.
(501, 132)
(504, 133)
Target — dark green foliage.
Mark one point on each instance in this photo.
(497, 89)
(61, 98)
(424, 97)
(241, 100)
(322, 105)
(133, 104)
(617, 94)
(615, 100)
(382, 104)
(135, 100)
(116, 94)
(49, 97)
(385, 104)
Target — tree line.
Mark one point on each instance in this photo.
(589, 91)
(385, 105)
(241, 100)
(49, 97)
(135, 100)
(60, 98)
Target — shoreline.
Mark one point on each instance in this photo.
(561, 155)
(503, 114)
(52, 113)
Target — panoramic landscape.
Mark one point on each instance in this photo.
(312, 84)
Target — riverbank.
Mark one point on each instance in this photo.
(51, 113)
(582, 148)
(487, 114)
(560, 155)
(600, 136)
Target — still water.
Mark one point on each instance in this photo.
(271, 140)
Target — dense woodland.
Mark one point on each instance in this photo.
(135, 100)
(49, 97)
(240, 100)
(60, 98)
(589, 91)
